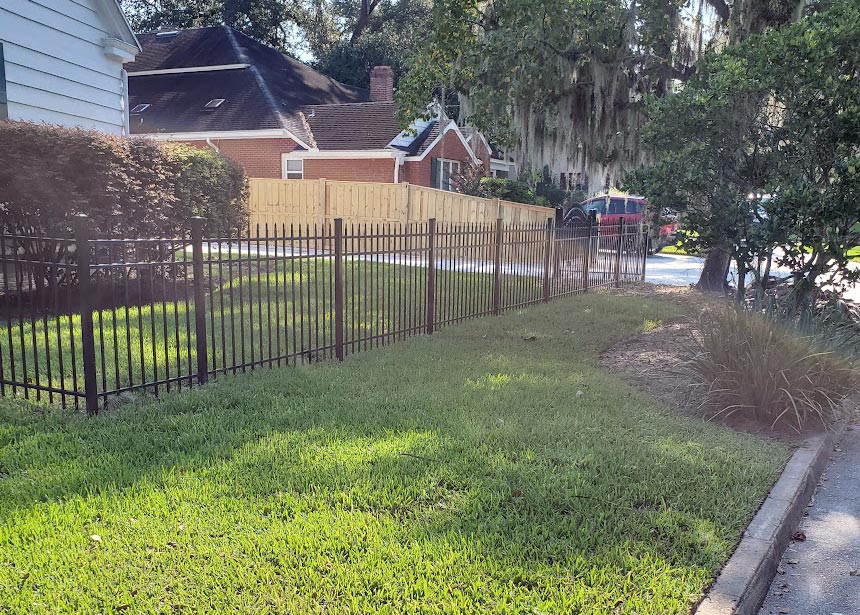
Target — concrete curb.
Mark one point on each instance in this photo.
(745, 579)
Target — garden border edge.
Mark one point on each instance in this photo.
(743, 582)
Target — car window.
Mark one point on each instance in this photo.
(598, 205)
(616, 206)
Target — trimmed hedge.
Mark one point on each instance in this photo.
(129, 187)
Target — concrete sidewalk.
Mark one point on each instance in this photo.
(821, 575)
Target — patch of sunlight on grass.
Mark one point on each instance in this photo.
(650, 325)
(458, 473)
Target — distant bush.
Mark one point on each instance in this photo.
(507, 190)
(129, 187)
(751, 366)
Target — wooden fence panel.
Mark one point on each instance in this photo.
(296, 202)
(300, 202)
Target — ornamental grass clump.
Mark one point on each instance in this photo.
(752, 367)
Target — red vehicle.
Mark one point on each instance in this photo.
(610, 209)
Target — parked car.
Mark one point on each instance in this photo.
(611, 209)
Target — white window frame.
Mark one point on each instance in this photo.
(454, 169)
(293, 174)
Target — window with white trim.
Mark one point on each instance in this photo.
(447, 170)
(294, 169)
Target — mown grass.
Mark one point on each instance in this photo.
(460, 473)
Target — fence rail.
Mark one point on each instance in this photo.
(87, 320)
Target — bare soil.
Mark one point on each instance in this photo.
(654, 361)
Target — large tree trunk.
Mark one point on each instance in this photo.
(713, 278)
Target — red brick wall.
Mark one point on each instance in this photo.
(361, 170)
(259, 157)
(450, 148)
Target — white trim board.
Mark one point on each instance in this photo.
(452, 125)
(274, 133)
(348, 154)
(190, 69)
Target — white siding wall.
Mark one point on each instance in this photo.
(56, 68)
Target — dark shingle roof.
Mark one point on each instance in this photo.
(369, 125)
(269, 93)
(177, 103)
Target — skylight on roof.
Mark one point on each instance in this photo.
(214, 103)
(166, 34)
(140, 108)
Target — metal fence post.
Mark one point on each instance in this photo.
(88, 342)
(645, 238)
(199, 300)
(586, 263)
(431, 275)
(619, 252)
(338, 288)
(547, 255)
(497, 270)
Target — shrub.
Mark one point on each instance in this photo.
(129, 187)
(210, 185)
(749, 365)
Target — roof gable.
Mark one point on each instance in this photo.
(116, 22)
(262, 88)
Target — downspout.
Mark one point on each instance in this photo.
(212, 145)
(126, 120)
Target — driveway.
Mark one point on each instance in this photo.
(681, 270)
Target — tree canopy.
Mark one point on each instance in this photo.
(761, 149)
(341, 38)
(563, 81)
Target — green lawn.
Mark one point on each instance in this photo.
(461, 473)
(253, 314)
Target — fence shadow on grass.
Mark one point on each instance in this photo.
(491, 446)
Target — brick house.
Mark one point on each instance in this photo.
(278, 118)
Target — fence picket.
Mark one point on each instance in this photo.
(336, 289)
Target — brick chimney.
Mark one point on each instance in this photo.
(381, 83)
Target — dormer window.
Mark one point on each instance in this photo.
(214, 103)
(140, 108)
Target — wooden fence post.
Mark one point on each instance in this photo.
(431, 275)
(324, 201)
(408, 204)
(497, 269)
(619, 252)
(586, 262)
(547, 255)
(88, 342)
(338, 288)
(199, 300)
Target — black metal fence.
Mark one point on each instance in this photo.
(86, 320)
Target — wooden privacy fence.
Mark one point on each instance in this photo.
(84, 320)
(319, 201)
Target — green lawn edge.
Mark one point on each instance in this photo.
(459, 473)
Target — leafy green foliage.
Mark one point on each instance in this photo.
(753, 367)
(473, 182)
(387, 40)
(778, 115)
(458, 474)
(128, 187)
(344, 38)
